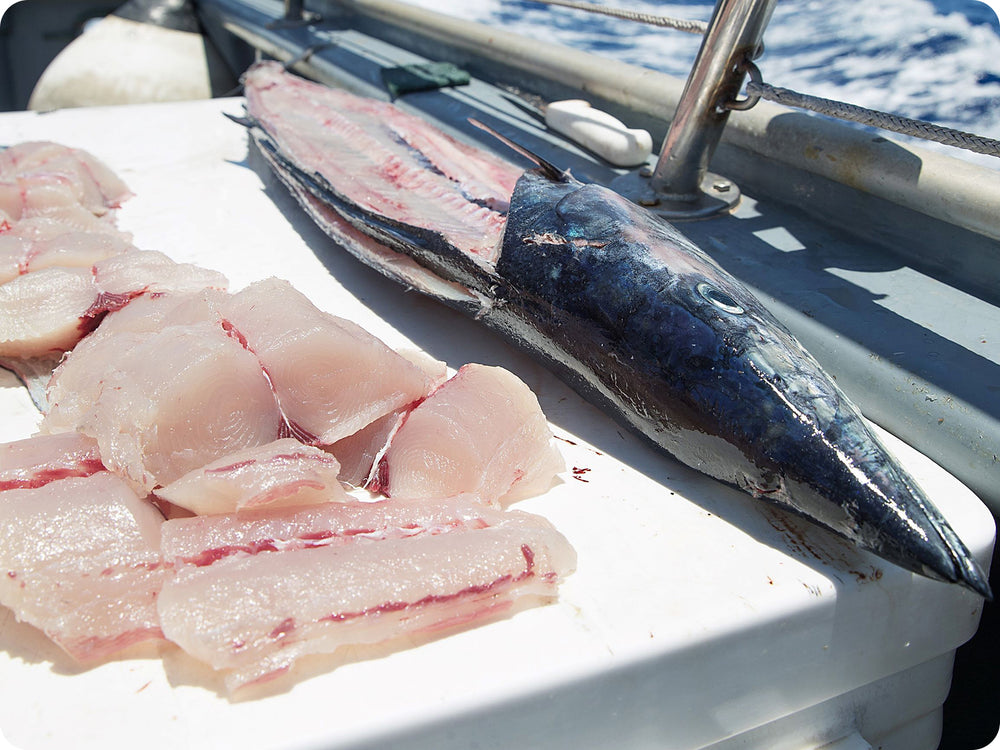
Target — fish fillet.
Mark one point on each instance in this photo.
(81, 561)
(174, 401)
(284, 472)
(38, 176)
(331, 377)
(46, 241)
(50, 310)
(482, 432)
(323, 585)
(36, 461)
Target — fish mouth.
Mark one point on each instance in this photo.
(955, 563)
(904, 529)
(969, 575)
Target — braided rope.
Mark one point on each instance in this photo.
(679, 24)
(894, 123)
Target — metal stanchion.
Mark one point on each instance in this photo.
(680, 186)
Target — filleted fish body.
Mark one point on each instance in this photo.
(619, 303)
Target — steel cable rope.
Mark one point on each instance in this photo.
(757, 89)
(679, 24)
(897, 124)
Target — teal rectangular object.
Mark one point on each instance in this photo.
(405, 79)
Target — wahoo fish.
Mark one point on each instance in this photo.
(618, 302)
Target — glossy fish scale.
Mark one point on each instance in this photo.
(696, 363)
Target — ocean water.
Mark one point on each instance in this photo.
(935, 60)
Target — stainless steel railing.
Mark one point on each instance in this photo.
(681, 179)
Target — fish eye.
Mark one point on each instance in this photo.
(720, 299)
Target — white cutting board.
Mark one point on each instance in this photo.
(695, 613)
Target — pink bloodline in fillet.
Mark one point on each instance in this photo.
(310, 539)
(111, 301)
(233, 332)
(232, 467)
(104, 303)
(305, 541)
(292, 429)
(328, 460)
(288, 427)
(41, 478)
(213, 555)
(95, 647)
(529, 571)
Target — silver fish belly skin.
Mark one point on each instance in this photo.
(643, 323)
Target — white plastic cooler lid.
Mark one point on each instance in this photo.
(696, 614)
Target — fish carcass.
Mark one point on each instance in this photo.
(621, 304)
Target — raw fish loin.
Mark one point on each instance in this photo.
(46, 241)
(79, 378)
(173, 402)
(255, 597)
(80, 560)
(48, 311)
(619, 303)
(36, 461)
(284, 472)
(482, 432)
(38, 177)
(45, 312)
(330, 376)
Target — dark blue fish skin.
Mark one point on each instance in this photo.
(686, 355)
(642, 322)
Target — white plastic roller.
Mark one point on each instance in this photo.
(599, 132)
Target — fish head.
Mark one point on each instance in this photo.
(692, 359)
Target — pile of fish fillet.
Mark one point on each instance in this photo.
(250, 485)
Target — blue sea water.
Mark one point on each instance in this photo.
(936, 60)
